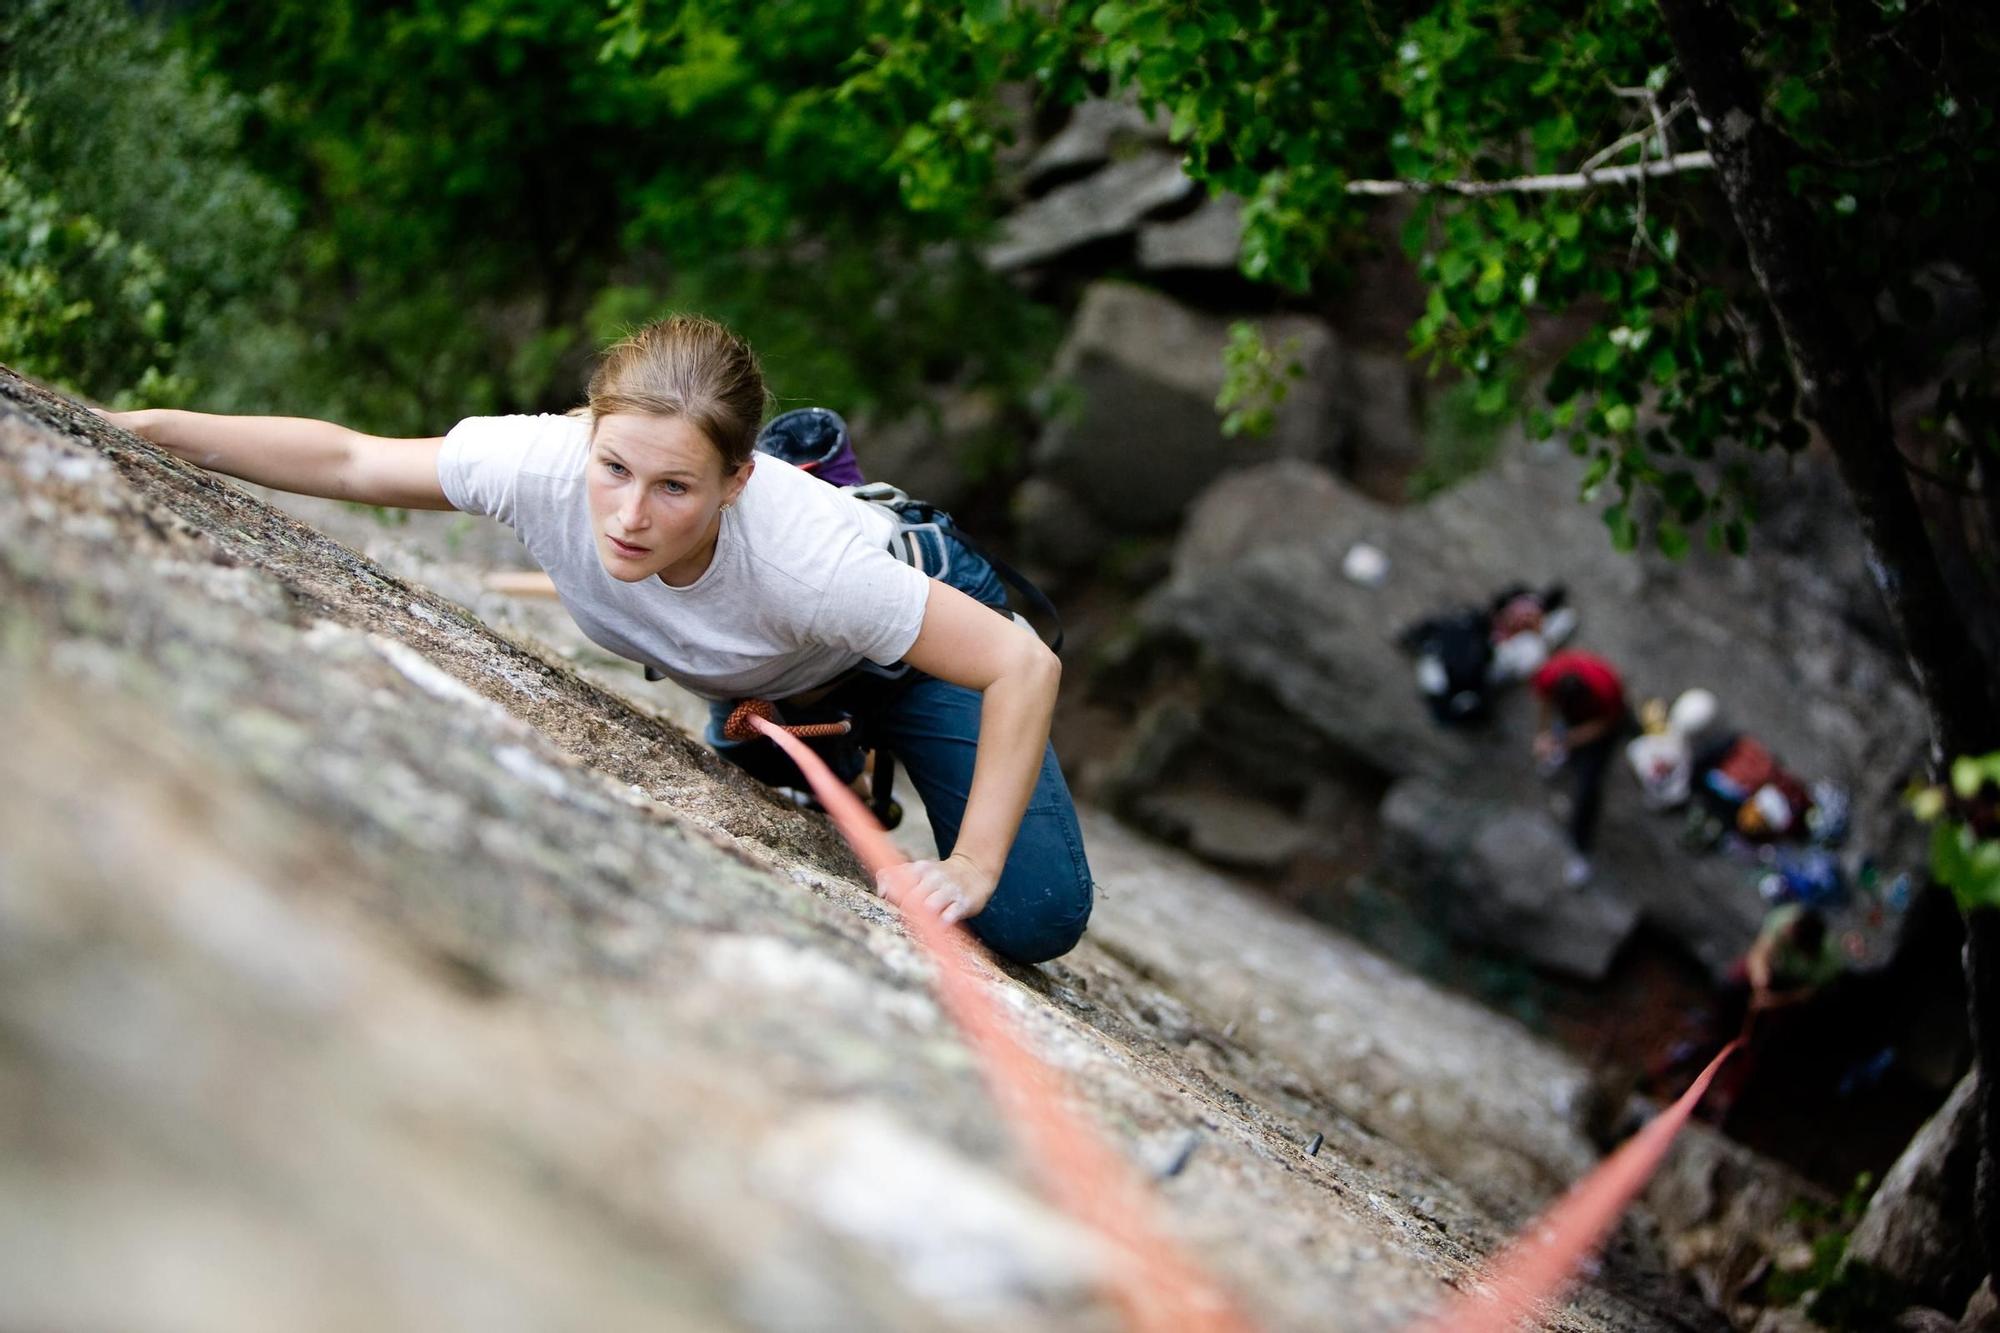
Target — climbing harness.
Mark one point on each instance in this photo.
(749, 716)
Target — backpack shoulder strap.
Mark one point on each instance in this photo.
(898, 502)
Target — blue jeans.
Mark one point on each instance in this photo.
(1042, 902)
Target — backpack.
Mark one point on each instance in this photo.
(1453, 653)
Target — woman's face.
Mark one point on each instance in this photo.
(657, 490)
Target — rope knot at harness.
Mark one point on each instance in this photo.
(738, 727)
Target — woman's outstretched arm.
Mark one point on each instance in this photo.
(1016, 675)
(298, 454)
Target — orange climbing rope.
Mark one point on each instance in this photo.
(1149, 1277)
(738, 725)
(1156, 1285)
(1536, 1266)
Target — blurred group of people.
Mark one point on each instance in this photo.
(1737, 792)
(1736, 795)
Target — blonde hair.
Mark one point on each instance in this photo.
(690, 367)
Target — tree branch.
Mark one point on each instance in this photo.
(1638, 136)
(1578, 180)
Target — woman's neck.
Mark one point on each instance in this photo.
(690, 567)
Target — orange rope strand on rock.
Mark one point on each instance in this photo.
(1540, 1261)
(1158, 1287)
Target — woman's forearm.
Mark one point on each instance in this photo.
(1014, 717)
(289, 453)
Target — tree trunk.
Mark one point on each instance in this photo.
(1840, 396)
(1982, 984)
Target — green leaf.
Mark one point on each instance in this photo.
(1969, 773)
(1968, 865)
(1110, 18)
(1624, 531)
(1672, 539)
(1794, 99)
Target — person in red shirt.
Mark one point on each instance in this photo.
(1582, 718)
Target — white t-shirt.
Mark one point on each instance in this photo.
(801, 588)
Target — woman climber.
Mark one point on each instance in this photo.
(740, 577)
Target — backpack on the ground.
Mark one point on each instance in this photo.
(1453, 652)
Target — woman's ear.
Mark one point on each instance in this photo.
(733, 485)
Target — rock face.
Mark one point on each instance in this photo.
(1302, 681)
(938, 452)
(1730, 1215)
(1142, 438)
(1918, 1230)
(1110, 203)
(360, 969)
(1211, 237)
(1097, 131)
(1497, 870)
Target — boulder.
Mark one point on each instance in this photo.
(939, 452)
(1918, 1229)
(1982, 1312)
(1097, 131)
(1497, 871)
(1209, 238)
(1108, 203)
(1727, 1214)
(1225, 830)
(1235, 516)
(1142, 437)
(1055, 528)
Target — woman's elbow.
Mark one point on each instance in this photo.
(1038, 668)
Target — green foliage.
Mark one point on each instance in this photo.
(484, 190)
(1964, 815)
(1462, 435)
(1676, 374)
(493, 188)
(127, 224)
(1256, 378)
(1833, 1225)
(1843, 1294)
(77, 302)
